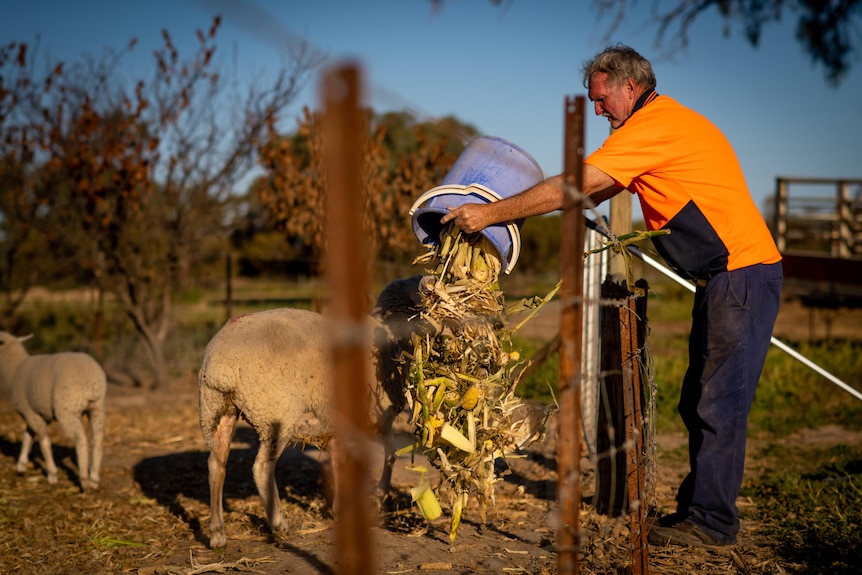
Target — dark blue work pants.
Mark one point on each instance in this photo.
(732, 321)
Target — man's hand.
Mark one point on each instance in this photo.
(469, 217)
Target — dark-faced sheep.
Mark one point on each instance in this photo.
(271, 368)
(58, 387)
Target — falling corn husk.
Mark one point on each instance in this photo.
(471, 429)
(426, 501)
(456, 438)
(462, 381)
(457, 510)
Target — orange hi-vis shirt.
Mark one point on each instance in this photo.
(689, 181)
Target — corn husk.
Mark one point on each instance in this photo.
(462, 381)
(426, 501)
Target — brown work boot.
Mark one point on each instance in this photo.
(685, 533)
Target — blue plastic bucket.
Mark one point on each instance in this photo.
(487, 170)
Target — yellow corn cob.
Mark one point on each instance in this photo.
(471, 397)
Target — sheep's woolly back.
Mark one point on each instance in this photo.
(58, 387)
(67, 382)
(273, 366)
(49, 383)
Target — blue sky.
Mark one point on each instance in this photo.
(504, 69)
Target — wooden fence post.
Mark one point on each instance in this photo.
(621, 468)
(571, 341)
(346, 273)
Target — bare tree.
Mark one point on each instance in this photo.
(140, 171)
(28, 231)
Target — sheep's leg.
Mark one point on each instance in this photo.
(97, 433)
(264, 477)
(26, 446)
(47, 453)
(70, 423)
(217, 464)
(37, 428)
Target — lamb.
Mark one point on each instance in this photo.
(58, 387)
(273, 367)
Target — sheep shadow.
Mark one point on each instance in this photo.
(174, 478)
(64, 458)
(541, 488)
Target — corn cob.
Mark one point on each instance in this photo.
(471, 398)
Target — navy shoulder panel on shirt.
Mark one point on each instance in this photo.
(692, 248)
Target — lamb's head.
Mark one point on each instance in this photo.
(401, 299)
(6, 337)
(12, 353)
(395, 319)
(397, 314)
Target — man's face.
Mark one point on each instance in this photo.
(613, 102)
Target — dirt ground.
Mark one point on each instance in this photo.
(150, 515)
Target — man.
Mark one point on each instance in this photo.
(688, 181)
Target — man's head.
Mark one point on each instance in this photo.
(615, 79)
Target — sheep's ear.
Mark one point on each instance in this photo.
(25, 337)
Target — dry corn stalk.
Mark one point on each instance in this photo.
(462, 380)
(620, 244)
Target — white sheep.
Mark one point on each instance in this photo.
(58, 387)
(271, 368)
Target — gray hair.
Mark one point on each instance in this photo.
(620, 63)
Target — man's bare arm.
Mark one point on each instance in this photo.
(544, 197)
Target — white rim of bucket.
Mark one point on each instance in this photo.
(483, 192)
